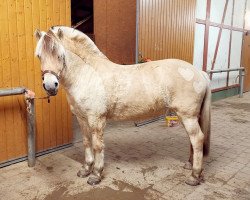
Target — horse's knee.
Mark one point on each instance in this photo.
(97, 142)
(86, 142)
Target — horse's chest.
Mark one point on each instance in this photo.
(77, 108)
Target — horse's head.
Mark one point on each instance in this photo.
(52, 57)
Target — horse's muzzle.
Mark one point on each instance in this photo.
(51, 92)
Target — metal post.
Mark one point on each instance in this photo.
(241, 81)
(12, 91)
(31, 132)
(30, 120)
(241, 76)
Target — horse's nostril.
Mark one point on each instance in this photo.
(56, 84)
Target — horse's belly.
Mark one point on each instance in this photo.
(135, 111)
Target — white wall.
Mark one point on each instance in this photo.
(199, 45)
(247, 21)
(201, 6)
(217, 7)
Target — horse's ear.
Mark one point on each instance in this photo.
(60, 33)
(38, 34)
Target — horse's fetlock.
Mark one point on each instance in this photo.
(196, 172)
(89, 158)
(89, 163)
(98, 171)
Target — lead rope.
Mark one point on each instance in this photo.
(46, 97)
(29, 96)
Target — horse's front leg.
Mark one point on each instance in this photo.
(87, 142)
(98, 149)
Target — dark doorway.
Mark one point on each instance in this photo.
(82, 16)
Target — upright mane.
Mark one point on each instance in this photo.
(83, 44)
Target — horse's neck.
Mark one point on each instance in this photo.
(82, 83)
(76, 71)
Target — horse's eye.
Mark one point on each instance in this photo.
(43, 78)
(58, 57)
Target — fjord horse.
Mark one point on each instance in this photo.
(98, 90)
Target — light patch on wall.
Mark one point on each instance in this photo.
(199, 46)
(239, 12)
(219, 80)
(235, 58)
(247, 20)
(217, 7)
(213, 35)
(201, 6)
(229, 13)
(247, 16)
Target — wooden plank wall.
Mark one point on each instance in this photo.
(246, 61)
(114, 29)
(18, 67)
(166, 29)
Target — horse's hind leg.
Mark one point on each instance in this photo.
(189, 164)
(98, 148)
(87, 142)
(196, 138)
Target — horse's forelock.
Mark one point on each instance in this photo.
(50, 45)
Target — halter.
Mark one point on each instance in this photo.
(51, 72)
(57, 75)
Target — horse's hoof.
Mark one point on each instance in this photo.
(188, 165)
(94, 180)
(82, 173)
(192, 181)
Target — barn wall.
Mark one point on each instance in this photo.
(166, 29)
(114, 29)
(230, 45)
(18, 67)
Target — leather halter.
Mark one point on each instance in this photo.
(51, 72)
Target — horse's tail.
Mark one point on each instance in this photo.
(205, 119)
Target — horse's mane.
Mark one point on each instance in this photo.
(81, 40)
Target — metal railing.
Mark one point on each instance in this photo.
(31, 126)
(241, 76)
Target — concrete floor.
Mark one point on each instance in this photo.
(145, 163)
